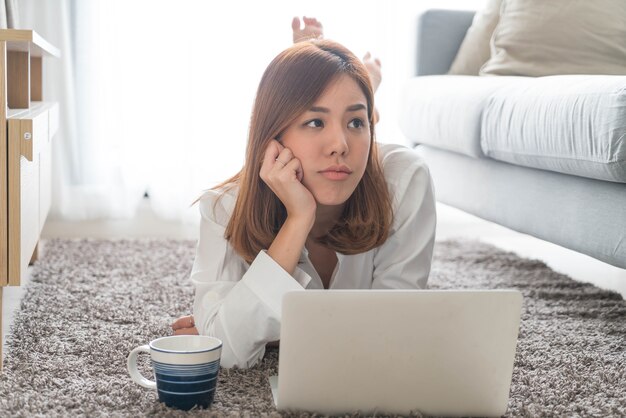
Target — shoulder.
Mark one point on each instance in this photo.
(216, 206)
(410, 187)
(402, 166)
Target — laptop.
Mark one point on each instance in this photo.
(436, 352)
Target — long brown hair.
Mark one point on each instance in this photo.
(292, 82)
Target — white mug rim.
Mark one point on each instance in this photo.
(208, 350)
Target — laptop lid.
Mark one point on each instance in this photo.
(439, 352)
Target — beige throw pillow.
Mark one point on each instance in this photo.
(548, 37)
(475, 49)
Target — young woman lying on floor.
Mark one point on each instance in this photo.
(318, 204)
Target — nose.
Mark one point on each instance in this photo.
(337, 142)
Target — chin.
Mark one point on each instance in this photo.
(331, 194)
(331, 199)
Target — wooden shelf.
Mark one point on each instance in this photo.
(27, 125)
(24, 51)
(28, 40)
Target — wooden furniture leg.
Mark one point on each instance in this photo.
(35, 254)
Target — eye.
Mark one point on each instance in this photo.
(358, 122)
(317, 123)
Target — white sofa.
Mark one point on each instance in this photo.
(544, 156)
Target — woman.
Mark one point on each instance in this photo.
(318, 204)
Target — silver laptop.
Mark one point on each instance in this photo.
(397, 351)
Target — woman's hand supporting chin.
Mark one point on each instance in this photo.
(283, 174)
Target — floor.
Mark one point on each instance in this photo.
(452, 223)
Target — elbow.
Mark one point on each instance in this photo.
(229, 360)
(233, 355)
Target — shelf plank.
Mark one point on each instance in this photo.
(19, 40)
(36, 79)
(15, 209)
(18, 79)
(36, 108)
(4, 203)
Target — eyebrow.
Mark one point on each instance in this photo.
(352, 108)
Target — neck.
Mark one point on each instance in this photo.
(325, 218)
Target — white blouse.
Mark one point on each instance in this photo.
(240, 303)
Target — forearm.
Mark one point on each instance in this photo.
(244, 313)
(289, 242)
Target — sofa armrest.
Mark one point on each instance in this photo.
(439, 36)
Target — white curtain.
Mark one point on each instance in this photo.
(9, 18)
(156, 96)
(87, 181)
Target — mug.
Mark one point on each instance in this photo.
(185, 369)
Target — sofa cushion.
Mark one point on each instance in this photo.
(574, 124)
(475, 50)
(540, 37)
(445, 110)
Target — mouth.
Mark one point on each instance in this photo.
(336, 172)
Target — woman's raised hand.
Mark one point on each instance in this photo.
(282, 172)
(373, 66)
(312, 29)
(185, 325)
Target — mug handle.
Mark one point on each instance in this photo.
(131, 364)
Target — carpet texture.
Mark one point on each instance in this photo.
(91, 301)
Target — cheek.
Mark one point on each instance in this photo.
(305, 155)
(362, 152)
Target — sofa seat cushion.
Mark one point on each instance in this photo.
(445, 110)
(573, 124)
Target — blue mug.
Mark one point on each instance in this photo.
(185, 369)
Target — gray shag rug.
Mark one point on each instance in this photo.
(91, 301)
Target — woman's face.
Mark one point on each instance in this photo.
(332, 142)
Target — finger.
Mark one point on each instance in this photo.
(367, 56)
(295, 23)
(295, 167)
(300, 174)
(312, 21)
(272, 151)
(183, 322)
(283, 158)
(377, 61)
(186, 331)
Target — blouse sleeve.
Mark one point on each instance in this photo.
(403, 261)
(237, 303)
